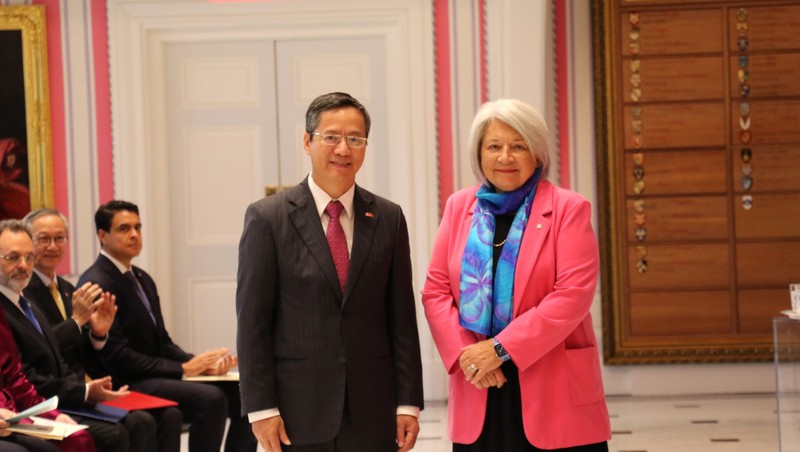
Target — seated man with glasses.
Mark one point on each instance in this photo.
(67, 310)
(16, 392)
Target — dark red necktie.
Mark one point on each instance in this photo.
(337, 241)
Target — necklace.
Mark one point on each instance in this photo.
(498, 245)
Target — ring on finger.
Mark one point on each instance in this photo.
(473, 368)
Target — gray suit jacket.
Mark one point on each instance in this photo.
(304, 346)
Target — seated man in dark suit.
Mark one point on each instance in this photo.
(69, 312)
(141, 353)
(16, 392)
(77, 340)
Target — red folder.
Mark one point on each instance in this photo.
(138, 401)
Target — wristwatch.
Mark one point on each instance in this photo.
(500, 351)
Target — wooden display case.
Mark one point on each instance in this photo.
(698, 145)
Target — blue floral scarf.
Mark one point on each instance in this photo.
(485, 305)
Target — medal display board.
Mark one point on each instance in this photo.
(698, 132)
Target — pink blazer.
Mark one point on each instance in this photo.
(550, 339)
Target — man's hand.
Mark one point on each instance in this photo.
(83, 302)
(223, 365)
(103, 316)
(5, 414)
(407, 431)
(101, 390)
(478, 359)
(203, 362)
(270, 433)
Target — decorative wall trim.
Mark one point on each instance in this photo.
(444, 125)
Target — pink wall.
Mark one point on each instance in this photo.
(63, 116)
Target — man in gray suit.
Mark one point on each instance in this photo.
(327, 336)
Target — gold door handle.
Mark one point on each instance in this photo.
(270, 190)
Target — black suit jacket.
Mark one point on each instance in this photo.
(73, 341)
(41, 359)
(137, 348)
(303, 345)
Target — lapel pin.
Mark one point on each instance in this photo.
(369, 215)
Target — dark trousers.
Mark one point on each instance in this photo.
(240, 436)
(345, 441)
(140, 431)
(21, 443)
(169, 422)
(503, 428)
(113, 437)
(206, 408)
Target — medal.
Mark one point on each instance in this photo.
(744, 122)
(744, 89)
(744, 108)
(638, 172)
(743, 43)
(744, 61)
(747, 183)
(747, 202)
(745, 136)
(741, 14)
(638, 187)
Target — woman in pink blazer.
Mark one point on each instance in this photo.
(507, 298)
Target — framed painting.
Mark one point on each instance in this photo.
(26, 181)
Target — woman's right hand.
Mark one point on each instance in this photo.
(493, 379)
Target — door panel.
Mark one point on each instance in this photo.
(222, 152)
(308, 68)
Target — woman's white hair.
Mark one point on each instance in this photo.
(519, 116)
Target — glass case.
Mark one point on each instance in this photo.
(787, 381)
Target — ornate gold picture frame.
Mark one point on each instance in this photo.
(26, 180)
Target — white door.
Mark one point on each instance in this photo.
(310, 67)
(222, 152)
(236, 117)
